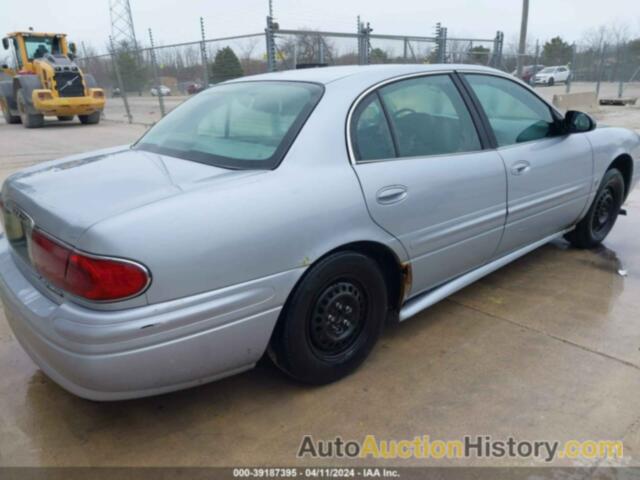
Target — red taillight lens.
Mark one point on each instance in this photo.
(104, 279)
(93, 278)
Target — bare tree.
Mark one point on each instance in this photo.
(306, 48)
(247, 48)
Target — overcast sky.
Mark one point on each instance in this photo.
(177, 21)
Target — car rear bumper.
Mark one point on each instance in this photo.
(114, 355)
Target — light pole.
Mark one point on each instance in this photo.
(523, 36)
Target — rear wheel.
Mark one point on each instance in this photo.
(28, 120)
(6, 113)
(90, 119)
(603, 213)
(332, 319)
(65, 118)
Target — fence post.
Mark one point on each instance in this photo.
(535, 65)
(603, 49)
(621, 59)
(571, 68)
(500, 47)
(359, 32)
(154, 68)
(364, 44)
(444, 45)
(203, 52)
(271, 44)
(406, 45)
(367, 43)
(496, 58)
(320, 50)
(123, 92)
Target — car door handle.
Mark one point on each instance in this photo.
(520, 168)
(391, 194)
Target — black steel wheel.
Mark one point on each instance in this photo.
(332, 319)
(337, 319)
(603, 213)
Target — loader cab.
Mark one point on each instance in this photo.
(31, 46)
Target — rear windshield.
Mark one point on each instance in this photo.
(245, 125)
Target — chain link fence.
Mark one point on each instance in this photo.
(609, 70)
(143, 85)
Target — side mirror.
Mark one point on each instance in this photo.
(5, 43)
(72, 48)
(578, 122)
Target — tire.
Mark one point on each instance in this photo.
(65, 118)
(28, 120)
(551, 82)
(332, 319)
(91, 119)
(6, 113)
(603, 213)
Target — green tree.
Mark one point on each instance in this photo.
(225, 66)
(479, 54)
(377, 55)
(132, 70)
(556, 52)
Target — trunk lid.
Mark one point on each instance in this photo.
(65, 197)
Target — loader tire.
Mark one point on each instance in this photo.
(28, 120)
(91, 119)
(6, 113)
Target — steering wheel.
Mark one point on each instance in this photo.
(403, 111)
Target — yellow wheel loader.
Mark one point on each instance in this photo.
(45, 81)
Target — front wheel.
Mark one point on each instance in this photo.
(551, 82)
(28, 120)
(90, 119)
(6, 113)
(332, 319)
(603, 213)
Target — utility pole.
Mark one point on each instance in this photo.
(523, 36)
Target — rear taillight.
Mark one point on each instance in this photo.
(104, 279)
(87, 276)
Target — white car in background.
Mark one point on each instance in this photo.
(552, 75)
(162, 90)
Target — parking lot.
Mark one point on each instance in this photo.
(547, 347)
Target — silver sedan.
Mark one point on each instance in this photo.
(293, 213)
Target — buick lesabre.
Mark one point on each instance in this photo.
(293, 213)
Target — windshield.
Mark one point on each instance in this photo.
(548, 70)
(245, 125)
(38, 47)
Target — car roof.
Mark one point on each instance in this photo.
(326, 75)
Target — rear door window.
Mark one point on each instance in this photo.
(370, 131)
(429, 117)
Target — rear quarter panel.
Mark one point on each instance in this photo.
(273, 222)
